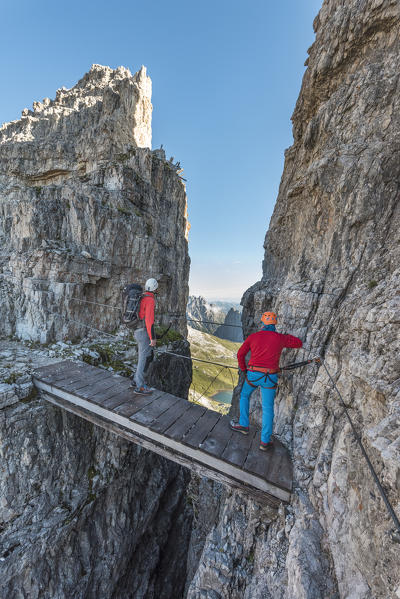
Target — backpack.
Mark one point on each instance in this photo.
(131, 297)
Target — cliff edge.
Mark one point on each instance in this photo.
(331, 272)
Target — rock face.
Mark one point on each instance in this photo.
(331, 271)
(232, 327)
(201, 313)
(83, 512)
(85, 207)
(205, 316)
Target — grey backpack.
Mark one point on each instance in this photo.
(131, 297)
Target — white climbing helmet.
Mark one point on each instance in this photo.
(151, 285)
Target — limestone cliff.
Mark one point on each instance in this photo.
(331, 271)
(231, 329)
(201, 314)
(83, 513)
(85, 207)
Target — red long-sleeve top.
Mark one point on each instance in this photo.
(265, 348)
(146, 312)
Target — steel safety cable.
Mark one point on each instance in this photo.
(214, 379)
(69, 319)
(287, 367)
(118, 308)
(370, 466)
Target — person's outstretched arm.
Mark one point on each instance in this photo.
(291, 341)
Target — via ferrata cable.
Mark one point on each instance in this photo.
(395, 534)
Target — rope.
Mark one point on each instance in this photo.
(395, 536)
(119, 338)
(90, 327)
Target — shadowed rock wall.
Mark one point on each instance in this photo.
(85, 207)
(331, 271)
(85, 513)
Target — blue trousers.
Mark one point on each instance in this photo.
(267, 395)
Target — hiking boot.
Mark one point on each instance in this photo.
(266, 446)
(141, 390)
(235, 426)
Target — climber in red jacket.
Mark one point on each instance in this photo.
(145, 336)
(262, 371)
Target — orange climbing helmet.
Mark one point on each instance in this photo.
(269, 318)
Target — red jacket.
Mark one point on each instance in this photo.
(146, 312)
(265, 348)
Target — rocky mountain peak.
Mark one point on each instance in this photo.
(107, 109)
(81, 195)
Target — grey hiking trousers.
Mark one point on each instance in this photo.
(144, 350)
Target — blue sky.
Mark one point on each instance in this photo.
(226, 75)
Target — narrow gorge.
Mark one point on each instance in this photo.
(85, 207)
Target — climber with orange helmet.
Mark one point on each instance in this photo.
(265, 348)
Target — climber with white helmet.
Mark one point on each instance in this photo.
(262, 371)
(145, 336)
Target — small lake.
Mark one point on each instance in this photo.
(223, 397)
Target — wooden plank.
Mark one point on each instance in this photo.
(117, 399)
(238, 447)
(237, 475)
(257, 461)
(87, 379)
(262, 496)
(45, 371)
(155, 409)
(163, 422)
(68, 369)
(218, 438)
(69, 377)
(135, 402)
(95, 386)
(280, 471)
(198, 433)
(183, 425)
(100, 397)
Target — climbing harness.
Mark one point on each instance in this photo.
(266, 372)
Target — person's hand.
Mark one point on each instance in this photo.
(153, 342)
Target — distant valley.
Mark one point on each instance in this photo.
(212, 385)
(221, 319)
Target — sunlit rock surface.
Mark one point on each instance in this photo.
(85, 207)
(331, 271)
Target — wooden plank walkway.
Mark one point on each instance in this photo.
(181, 431)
